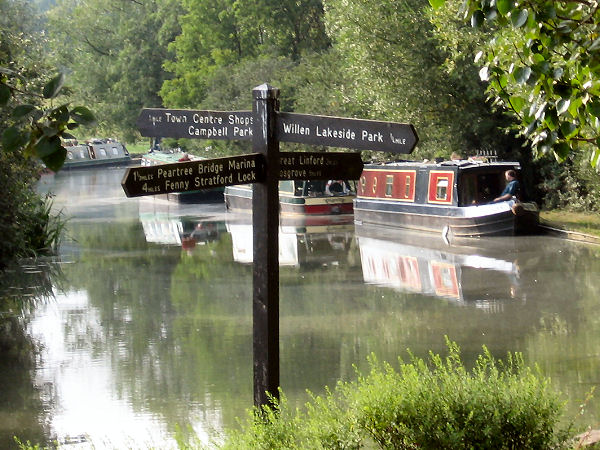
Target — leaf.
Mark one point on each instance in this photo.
(595, 45)
(562, 106)
(595, 155)
(594, 108)
(505, 6)
(53, 87)
(484, 73)
(83, 116)
(60, 114)
(436, 4)
(46, 146)
(522, 74)
(477, 19)
(568, 129)
(561, 151)
(558, 73)
(55, 160)
(5, 94)
(520, 18)
(13, 138)
(22, 110)
(517, 103)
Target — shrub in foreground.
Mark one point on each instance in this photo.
(434, 404)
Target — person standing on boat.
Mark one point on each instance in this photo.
(512, 189)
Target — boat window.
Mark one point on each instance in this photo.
(363, 184)
(441, 192)
(389, 185)
(408, 180)
(374, 185)
(115, 151)
(82, 154)
(286, 186)
(69, 155)
(102, 152)
(315, 188)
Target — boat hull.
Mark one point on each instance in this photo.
(505, 218)
(240, 198)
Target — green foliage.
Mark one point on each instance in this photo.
(542, 64)
(38, 130)
(234, 37)
(114, 51)
(434, 404)
(395, 69)
(30, 128)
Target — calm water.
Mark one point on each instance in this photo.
(147, 333)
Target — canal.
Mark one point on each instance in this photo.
(140, 332)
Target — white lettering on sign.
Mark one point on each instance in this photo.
(242, 132)
(234, 119)
(142, 177)
(208, 119)
(177, 185)
(371, 137)
(173, 172)
(208, 133)
(294, 128)
(311, 159)
(155, 120)
(328, 132)
(291, 174)
(239, 165)
(210, 167)
(400, 141)
(216, 180)
(172, 118)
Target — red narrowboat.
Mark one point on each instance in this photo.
(455, 198)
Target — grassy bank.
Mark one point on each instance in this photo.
(571, 221)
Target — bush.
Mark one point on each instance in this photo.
(440, 404)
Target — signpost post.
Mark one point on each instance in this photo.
(265, 126)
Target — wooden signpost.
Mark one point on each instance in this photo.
(266, 127)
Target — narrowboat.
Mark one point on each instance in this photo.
(315, 197)
(95, 153)
(156, 157)
(455, 198)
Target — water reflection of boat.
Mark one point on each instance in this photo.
(95, 153)
(451, 197)
(299, 244)
(163, 225)
(421, 263)
(316, 197)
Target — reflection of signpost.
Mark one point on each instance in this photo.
(266, 127)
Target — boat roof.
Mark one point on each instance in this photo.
(463, 164)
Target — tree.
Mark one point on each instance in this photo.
(397, 69)
(114, 51)
(228, 35)
(543, 65)
(31, 127)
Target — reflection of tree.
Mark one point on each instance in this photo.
(22, 412)
(178, 326)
